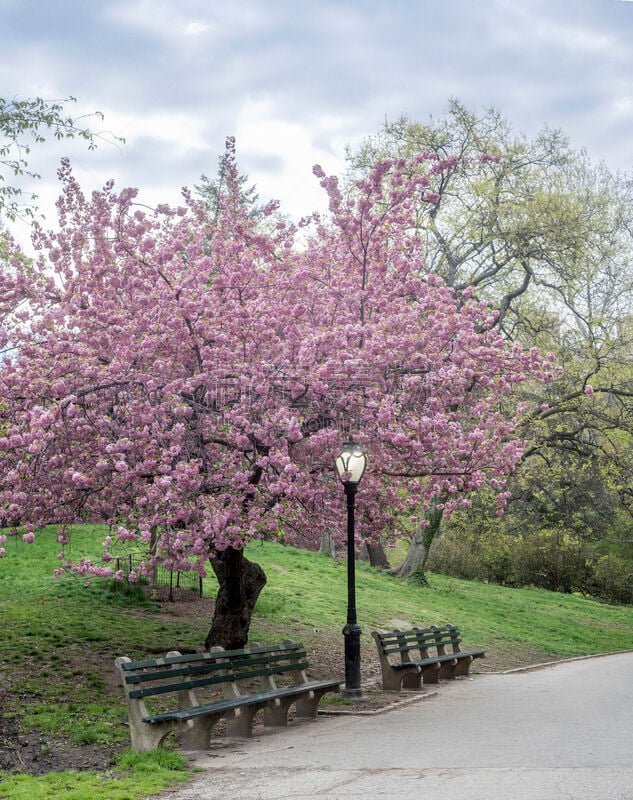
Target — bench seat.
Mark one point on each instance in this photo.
(260, 699)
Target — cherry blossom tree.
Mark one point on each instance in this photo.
(189, 381)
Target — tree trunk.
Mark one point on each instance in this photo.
(420, 547)
(377, 555)
(240, 583)
(327, 546)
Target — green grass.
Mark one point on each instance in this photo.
(138, 775)
(60, 639)
(304, 588)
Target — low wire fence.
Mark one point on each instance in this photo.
(165, 584)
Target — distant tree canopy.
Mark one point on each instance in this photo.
(25, 123)
(545, 237)
(212, 191)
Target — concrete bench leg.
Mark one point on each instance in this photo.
(198, 735)
(391, 680)
(240, 724)
(276, 713)
(412, 680)
(431, 674)
(307, 705)
(447, 669)
(463, 665)
(149, 737)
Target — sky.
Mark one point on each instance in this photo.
(295, 81)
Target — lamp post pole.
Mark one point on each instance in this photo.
(350, 466)
(352, 630)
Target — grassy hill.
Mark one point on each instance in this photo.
(59, 694)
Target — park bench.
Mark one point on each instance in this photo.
(423, 656)
(237, 684)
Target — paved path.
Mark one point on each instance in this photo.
(563, 732)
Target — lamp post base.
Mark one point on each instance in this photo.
(352, 690)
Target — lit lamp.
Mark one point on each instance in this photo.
(350, 466)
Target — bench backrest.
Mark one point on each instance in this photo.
(175, 673)
(419, 640)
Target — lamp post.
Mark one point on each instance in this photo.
(350, 466)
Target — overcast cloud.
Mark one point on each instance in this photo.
(295, 81)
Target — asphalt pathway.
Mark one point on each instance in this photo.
(561, 732)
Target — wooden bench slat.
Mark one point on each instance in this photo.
(226, 704)
(245, 675)
(212, 680)
(283, 660)
(166, 688)
(280, 649)
(145, 677)
(170, 685)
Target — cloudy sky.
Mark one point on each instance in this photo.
(295, 80)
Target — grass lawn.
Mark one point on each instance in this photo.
(59, 695)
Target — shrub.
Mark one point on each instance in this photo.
(613, 578)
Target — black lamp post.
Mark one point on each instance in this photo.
(350, 466)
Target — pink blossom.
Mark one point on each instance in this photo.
(195, 378)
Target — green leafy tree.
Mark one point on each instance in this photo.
(28, 122)
(545, 237)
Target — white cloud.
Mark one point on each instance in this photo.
(183, 131)
(295, 81)
(159, 18)
(196, 28)
(279, 154)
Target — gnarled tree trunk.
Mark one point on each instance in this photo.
(240, 583)
(418, 552)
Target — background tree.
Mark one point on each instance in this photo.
(212, 191)
(27, 122)
(188, 381)
(545, 237)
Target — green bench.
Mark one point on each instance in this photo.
(237, 684)
(424, 655)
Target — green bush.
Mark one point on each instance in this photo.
(613, 578)
(552, 558)
(484, 554)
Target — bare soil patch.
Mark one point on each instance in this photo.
(39, 754)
